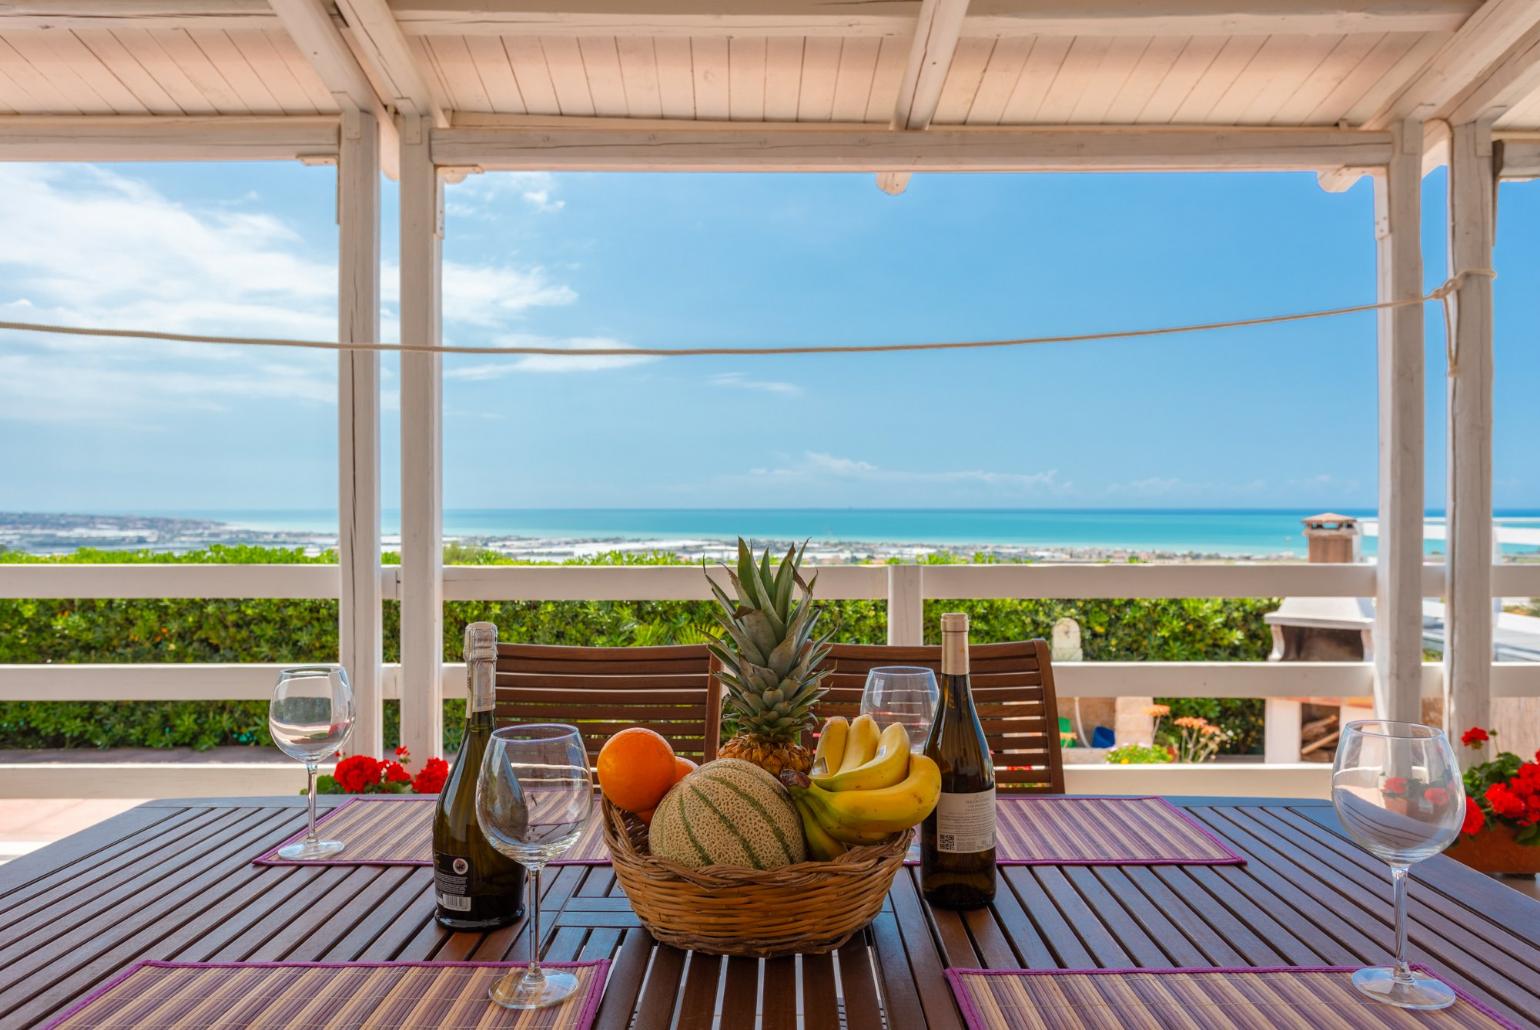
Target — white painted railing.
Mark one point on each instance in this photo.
(904, 587)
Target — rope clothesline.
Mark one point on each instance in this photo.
(1443, 292)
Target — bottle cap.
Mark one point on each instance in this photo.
(480, 641)
(954, 622)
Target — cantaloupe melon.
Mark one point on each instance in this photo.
(728, 812)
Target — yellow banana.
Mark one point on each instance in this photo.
(859, 814)
(820, 844)
(831, 745)
(888, 766)
(861, 744)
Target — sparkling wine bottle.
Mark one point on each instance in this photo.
(957, 840)
(476, 887)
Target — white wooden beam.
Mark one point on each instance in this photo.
(1398, 594)
(1475, 52)
(309, 24)
(936, 32)
(1511, 81)
(360, 633)
(384, 50)
(1517, 159)
(851, 149)
(1468, 608)
(136, 14)
(166, 138)
(896, 17)
(422, 500)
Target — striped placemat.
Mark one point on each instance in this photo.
(397, 829)
(1306, 998)
(1065, 830)
(324, 996)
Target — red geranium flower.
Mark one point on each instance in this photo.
(1505, 802)
(1394, 785)
(1475, 818)
(403, 756)
(357, 773)
(431, 779)
(1436, 796)
(395, 772)
(1475, 737)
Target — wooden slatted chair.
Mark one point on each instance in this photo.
(1012, 689)
(604, 689)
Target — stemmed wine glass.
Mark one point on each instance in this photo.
(902, 693)
(533, 798)
(310, 717)
(1398, 791)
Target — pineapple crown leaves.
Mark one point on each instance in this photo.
(771, 656)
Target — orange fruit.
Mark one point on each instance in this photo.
(682, 768)
(636, 767)
(646, 815)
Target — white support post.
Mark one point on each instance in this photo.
(360, 634)
(422, 530)
(1282, 722)
(1468, 604)
(1398, 593)
(906, 605)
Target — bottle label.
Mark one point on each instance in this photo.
(965, 823)
(483, 686)
(451, 881)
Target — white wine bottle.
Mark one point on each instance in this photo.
(957, 840)
(477, 888)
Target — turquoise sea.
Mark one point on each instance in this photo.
(1215, 531)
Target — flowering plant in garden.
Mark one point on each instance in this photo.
(1199, 739)
(361, 774)
(1505, 788)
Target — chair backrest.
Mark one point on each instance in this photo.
(604, 689)
(1012, 690)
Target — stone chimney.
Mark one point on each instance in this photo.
(1333, 539)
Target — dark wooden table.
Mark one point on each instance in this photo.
(174, 880)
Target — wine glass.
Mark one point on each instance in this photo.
(533, 798)
(902, 693)
(1398, 791)
(310, 717)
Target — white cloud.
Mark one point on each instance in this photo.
(497, 367)
(482, 194)
(89, 246)
(739, 381)
(816, 467)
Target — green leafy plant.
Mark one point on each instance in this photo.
(1138, 754)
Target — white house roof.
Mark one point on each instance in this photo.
(989, 62)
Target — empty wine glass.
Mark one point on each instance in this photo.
(533, 798)
(310, 717)
(1398, 792)
(902, 693)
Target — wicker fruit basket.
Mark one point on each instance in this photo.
(810, 907)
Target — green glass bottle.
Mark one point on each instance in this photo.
(957, 840)
(476, 887)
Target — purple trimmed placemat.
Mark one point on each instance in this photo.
(397, 829)
(1090, 999)
(1059, 829)
(323, 996)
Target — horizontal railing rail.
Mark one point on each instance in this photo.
(254, 680)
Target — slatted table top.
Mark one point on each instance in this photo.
(174, 880)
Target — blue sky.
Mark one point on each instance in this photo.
(1268, 417)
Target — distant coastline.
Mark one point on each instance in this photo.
(837, 535)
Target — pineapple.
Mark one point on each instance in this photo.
(770, 661)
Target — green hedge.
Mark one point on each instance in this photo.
(250, 630)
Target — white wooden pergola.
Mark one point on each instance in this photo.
(429, 90)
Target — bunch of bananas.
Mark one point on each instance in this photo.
(865, 786)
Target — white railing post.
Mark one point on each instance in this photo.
(1398, 554)
(422, 530)
(1282, 722)
(1468, 605)
(360, 636)
(906, 605)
